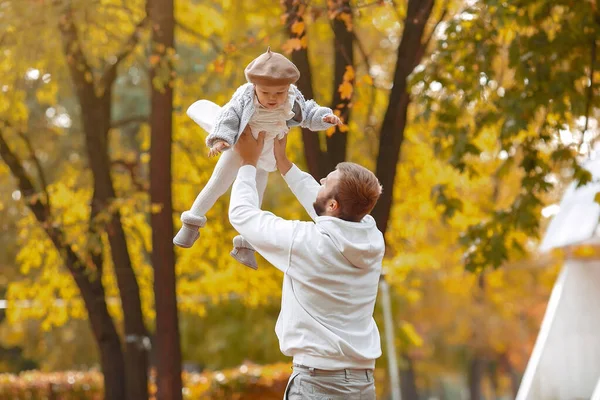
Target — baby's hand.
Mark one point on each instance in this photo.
(217, 148)
(332, 119)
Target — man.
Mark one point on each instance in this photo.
(331, 272)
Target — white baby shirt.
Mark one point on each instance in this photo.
(274, 123)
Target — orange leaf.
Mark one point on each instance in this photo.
(291, 45)
(347, 18)
(154, 59)
(330, 131)
(349, 74)
(346, 90)
(298, 28)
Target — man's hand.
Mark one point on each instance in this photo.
(283, 163)
(249, 148)
(218, 147)
(332, 119)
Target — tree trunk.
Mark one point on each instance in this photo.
(87, 278)
(343, 41)
(95, 103)
(167, 346)
(391, 136)
(315, 158)
(475, 376)
(515, 379)
(320, 163)
(408, 384)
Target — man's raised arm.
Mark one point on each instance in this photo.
(270, 235)
(303, 185)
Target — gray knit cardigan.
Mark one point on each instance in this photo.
(235, 115)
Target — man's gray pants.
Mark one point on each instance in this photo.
(317, 384)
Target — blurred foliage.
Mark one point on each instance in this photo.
(503, 111)
(246, 382)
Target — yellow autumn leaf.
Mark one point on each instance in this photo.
(304, 42)
(154, 59)
(346, 90)
(347, 18)
(298, 28)
(368, 79)
(411, 334)
(349, 73)
(291, 45)
(155, 208)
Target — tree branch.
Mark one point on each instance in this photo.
(428, 40)
(76, 60)
(25, 183)
(190, 31)
(41, 212)
(38, 167)
(394, 122)
(365, 57)
(111, 72)
(133, 169)
(140, 119)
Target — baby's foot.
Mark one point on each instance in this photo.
(244, 253)
(186, 236)
(189, 233)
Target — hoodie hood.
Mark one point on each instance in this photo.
(361, 243)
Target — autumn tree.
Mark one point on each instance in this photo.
(92, 78)
(446, 101)
(168, 351)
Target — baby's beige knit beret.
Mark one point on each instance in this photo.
(271, 69)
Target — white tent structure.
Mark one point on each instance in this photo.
(565, 362)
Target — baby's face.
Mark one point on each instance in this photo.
(271, 97)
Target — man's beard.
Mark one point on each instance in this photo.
(320, 206)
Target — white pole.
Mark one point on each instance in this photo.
(389, 338)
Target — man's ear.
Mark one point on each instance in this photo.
(333, 205)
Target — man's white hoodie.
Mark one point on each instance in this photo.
(331, 274)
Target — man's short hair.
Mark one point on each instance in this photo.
(357, 191)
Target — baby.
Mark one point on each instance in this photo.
(269, 102)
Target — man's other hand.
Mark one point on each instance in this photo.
(283, 163)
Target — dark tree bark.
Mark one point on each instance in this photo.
(391, 136)
(343, 40)
(95, 101)
(408, 381)
(87, 278)
(475, 376)
(167, 346)
(515, 378)
(320, 163)
(315, 158)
